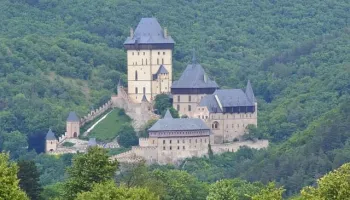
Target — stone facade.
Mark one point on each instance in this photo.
(226, 127)
(186, 104)
(149, 60)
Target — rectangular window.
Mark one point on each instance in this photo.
(178, 98)
(170, 141)
(183, 147)
(144, 90)
(143, 53)
(146, 61)
(158, 53)
(157, 61)
(142, 61)
(170, 147)
(178, 148)
(163, 141)
(163, 148)
(178, 107)
(189, 98)
(189, 107)
(178, 141)
(163, 53)
(162, 61)
(136, 90)
(183, 141)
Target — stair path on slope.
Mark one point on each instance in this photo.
(93, 126)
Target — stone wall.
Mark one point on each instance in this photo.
(95, 113)
(141, 113)
(234, 146)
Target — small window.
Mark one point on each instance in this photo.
(205, 140)
(136, 90)
(189, 107)
(157, 61)
(162, 61)
(138, 53)
(178, 147)
(183, 141)
(170, 148)
(158, 53)
(189, 98)
(164, 148)
(142, 61)
(183, 147)
(178, 107)
(178, 98)
(152, 141)
(170, 141)
(190, 140)
(146, 61)
(143, 53)
(132, 53)
(163, 53)
(178, 141)
(196, 140)
(144, 90)
(163, 141)
(136, 76)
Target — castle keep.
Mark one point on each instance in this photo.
(149, 59)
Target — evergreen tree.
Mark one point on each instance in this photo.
(9, 188)
(29, 179)
(87, 169)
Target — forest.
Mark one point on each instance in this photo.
(63, 55)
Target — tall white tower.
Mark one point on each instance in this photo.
(149, 59)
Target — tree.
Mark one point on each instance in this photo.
(9, 188)
(162, 103)
(108, 190)
(16, 143)
(127, 136)
(270, 192)
(334, 185)
(180, 185)
(233, 189)
(87, 169)
(29, 179)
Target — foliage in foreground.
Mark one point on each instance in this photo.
(109, 190)
(87, 169)
(29, 179)
(9, 183)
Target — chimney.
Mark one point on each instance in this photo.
(131, 33)
(165, 33)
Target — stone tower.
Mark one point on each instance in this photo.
(72, 126)
(50, 142)
(149, 60)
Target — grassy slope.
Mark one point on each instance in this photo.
(108, 128)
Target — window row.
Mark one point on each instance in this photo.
(137, 90)
(144, 53)
(146, 63)
(189, 107)
(189, 141)
(222, 116)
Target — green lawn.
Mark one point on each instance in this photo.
(108, 128)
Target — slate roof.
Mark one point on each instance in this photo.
(162, 70)
(179, 124)
(72, 117)
(149, 31)
(194, 76)
(228, 98)
(92, 142)
(50, 135)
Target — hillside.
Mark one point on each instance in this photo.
(62, 55)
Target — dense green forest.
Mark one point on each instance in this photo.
(63, 55)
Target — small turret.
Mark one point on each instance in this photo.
(72, 125)
(168, 115)
(50, 141)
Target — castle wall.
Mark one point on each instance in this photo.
(234, 146)
(229, 126)
(186, 104)
(142, 64)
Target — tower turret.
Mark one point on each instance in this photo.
(50, 141)
(72, 125)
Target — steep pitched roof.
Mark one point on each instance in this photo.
(72, 117)
(50, 135)
(179, 124)
(149, 31)
(194, 76)
(249, 92)
(144, 98)
(225, 98)
(168, 115)
(162, 70)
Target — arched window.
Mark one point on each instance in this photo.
(215, 125)
(136, 76)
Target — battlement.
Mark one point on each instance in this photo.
(144, 148)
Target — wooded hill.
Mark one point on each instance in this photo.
(62, 55)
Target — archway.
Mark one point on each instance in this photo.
(75, 134)
(215, 125)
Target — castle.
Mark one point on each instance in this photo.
(210, 117)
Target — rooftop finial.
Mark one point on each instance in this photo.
(194, 61)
